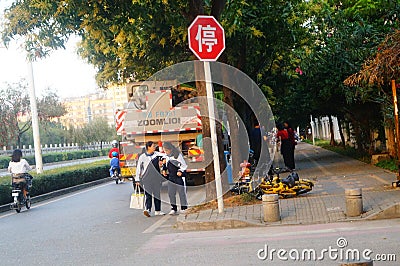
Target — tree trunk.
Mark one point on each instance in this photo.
(390, 141)
(202, 95)
(341, 132)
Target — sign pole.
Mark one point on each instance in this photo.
(214, 143)
(207, 41)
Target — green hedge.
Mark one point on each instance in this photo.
(46, 183)
(58, 156)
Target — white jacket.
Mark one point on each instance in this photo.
(143, 163)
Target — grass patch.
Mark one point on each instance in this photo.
(346, 151)
(390, 165)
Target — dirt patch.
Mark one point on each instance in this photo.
(230, 200)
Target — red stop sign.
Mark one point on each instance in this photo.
(206, 38)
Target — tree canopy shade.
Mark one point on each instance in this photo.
(135, 39)
(384, 67)
(123, 39)
(298, 52)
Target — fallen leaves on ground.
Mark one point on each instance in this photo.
(230, 200)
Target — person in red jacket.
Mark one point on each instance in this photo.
(293, 141)
(114, 148)
(286, 147)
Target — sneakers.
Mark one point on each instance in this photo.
(147, 213)
(183, 211)
(173, 212)
(159, 213)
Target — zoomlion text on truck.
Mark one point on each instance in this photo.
(161, 111)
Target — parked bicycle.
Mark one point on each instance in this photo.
(289, 186)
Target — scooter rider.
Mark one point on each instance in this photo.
(114, 164)
(19, 169)
(114, 148)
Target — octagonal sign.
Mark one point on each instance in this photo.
(206, 38)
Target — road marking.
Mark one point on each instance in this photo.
(380, 179)
(58, 199)
(157, 224)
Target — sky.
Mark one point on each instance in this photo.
(64, 72)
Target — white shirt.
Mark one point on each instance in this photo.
(182, 164)
(145, 159)
(19, 167)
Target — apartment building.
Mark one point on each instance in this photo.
(82, 110)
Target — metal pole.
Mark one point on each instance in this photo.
(312, 130)
(214, 144)
(35, 122)
(396, 121)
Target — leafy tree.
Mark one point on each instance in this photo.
(345, 34)
(50, 133)
(98, 130)
(16, 114)
(373, 81)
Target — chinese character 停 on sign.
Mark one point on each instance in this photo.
(206, 36)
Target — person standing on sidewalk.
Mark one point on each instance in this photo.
(292, 141)
(174, 169)
(255, 142)
(148, 174)
(285, 146)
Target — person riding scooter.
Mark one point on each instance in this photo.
(114, 148)
(114, 164)
(19, 169)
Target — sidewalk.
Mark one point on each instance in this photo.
(332, 174)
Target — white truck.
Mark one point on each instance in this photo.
(151, 114)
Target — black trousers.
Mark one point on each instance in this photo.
(287, 150)
(176, 184)
(152, 191)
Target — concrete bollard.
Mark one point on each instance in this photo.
(354, 204)
(271, 207)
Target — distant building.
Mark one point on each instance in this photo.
(82, 110)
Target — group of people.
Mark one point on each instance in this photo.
(153, 168)
(286, 137)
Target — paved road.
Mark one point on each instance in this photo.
(96, 227)
(92, 227)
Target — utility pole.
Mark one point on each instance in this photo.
(35, 121)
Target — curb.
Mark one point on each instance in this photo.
(190, 222)
(391, 212)
(39, 198)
